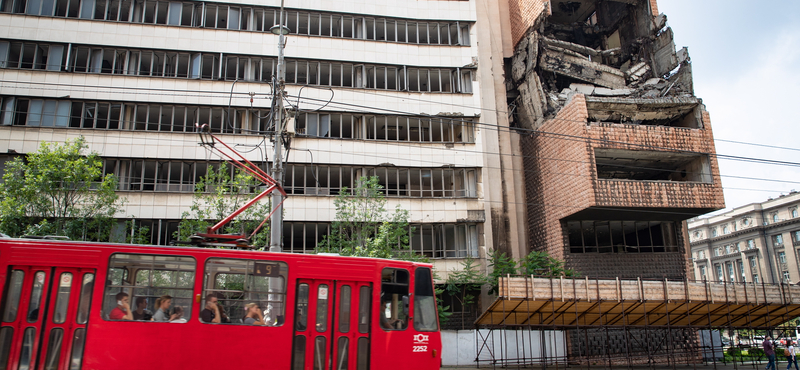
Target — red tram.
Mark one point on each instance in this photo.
(74, 305)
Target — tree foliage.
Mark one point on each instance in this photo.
(59, 190)
(363, 226)
(216, 196)
(465, 284)
(535, 263)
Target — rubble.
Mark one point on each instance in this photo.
(599, 48)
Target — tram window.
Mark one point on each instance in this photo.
(362, 357)
(394, 299)
(363, 309)
(425, 317)
(319, 353)
(301, 322)
(62, 298)
(341, 351)
(238, 282)
(149, 277)
(12, 295)
(344, 309)
(6, 334)
(77, 349)
(26, 353)
(299, 355)
(86, 299)
(36, 297)
(54, 349)
(322, 308)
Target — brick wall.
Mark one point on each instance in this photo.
(558, 175)
(523, 14)
(654, 7)
(561, 180)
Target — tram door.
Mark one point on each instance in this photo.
(332, 324)
(45, 312)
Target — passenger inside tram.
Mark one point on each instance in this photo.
(162, 307)
(253, 316)
(142, 313)
(211, 312)
(123, 310)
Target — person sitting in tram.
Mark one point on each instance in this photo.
(211, 312)
(123, 310)
(162, 305)
(177, 315)
(387, 322)
(141, 312)
(253, 316)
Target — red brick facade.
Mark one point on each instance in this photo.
(562, 180)
(523, 14)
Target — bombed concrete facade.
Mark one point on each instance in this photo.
(618, 150)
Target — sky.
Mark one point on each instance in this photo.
(746, 68)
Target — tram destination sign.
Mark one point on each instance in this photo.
(266, 269)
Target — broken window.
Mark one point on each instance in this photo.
(641, 165)
(622, 236)
(685, 112)
(445, 240)
(27, 55)
(401, 182)
(303, 237)
(388, 128)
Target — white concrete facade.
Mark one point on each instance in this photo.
(468, 101)
(758, 242)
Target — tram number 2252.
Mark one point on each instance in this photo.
(420, 349)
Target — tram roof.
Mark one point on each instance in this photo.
(581, 302)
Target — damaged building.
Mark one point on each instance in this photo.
(618, 151)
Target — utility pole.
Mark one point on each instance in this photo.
(276, 222)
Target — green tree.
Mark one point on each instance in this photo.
(465, 284)
(501, 265)
(217, 195)
(59, 190)
(363, 226)
(541, 264)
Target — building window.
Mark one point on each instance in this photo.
(794, 212)
(445, 240)
(796, 237)
(741, 270)
(755, 278)
(702, 273)
(621, 236)
(737, 247)
(775, 217)
(751, 244)
(731, 273)
(752, 262)
(215, 66)
(786, 277)
(728, 249)
(702, 254)
(386, 128)
(782, 257)
(717, 252)
(725, 230)
(777, 240)
(713, 232)
(745, 221)
(720, 276)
